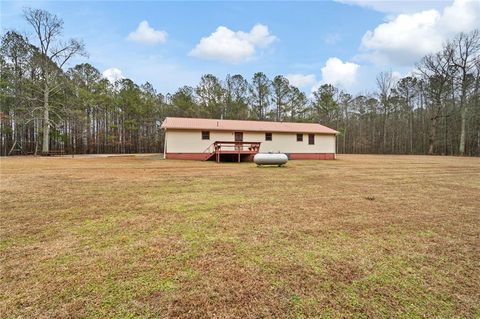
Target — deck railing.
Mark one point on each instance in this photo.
(231, 147)
(236, 147)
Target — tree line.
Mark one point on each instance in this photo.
(46, 107)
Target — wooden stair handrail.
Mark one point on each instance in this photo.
(235, 142)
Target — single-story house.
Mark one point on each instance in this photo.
(204, 139)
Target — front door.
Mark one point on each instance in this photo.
(238, 138)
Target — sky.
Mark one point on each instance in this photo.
(172, 43)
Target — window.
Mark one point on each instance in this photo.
(311, 139)
(205, 135)
(268, 136)
(299, 137)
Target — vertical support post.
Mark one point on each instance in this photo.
(165, 145)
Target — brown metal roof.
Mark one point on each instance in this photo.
(236, 125)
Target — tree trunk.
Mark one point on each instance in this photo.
(411, 131)
(46, 120)
(432, 137)
(384, 133)
(463, 114)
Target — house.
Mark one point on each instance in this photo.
(234, 140)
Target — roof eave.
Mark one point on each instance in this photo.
(244, 130)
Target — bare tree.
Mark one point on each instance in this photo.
(53, 55)
(407, 89)
(385, 85)
(476, 104)
(465, 51)
(436, 72)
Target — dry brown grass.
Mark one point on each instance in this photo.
(362, 236)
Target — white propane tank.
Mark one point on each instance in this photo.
(270, 159)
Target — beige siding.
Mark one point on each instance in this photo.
(189, 141)
(287, 143)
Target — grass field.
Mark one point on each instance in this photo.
(362, 236)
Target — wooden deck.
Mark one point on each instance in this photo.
(240, 150)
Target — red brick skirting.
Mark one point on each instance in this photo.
(292, 156)
(312, 156)
(187, 156)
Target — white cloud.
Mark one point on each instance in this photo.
(461, 16)
(233, 47)
(258, 36)
(146, 34)
(407, 37)
(339, 73)
(302, 80)
(396, 76)
(113, 74)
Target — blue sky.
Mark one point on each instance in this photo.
(171, 44)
